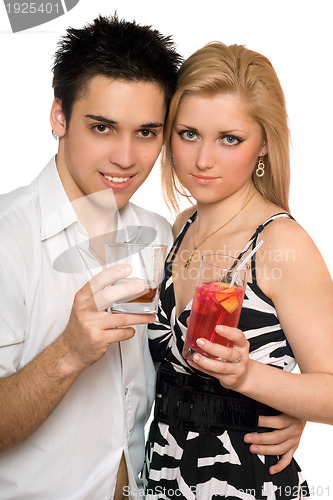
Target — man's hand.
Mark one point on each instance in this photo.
(283, 441)
(91, 329)
(29, 396)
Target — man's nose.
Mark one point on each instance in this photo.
(123, 152)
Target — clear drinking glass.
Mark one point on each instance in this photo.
(147, 262)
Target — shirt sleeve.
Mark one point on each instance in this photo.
(12, 310)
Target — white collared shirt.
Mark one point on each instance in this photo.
(75, 454)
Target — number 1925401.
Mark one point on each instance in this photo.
(34, 8)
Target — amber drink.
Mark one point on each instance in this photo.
(147, 262)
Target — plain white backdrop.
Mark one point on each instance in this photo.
(294, 34)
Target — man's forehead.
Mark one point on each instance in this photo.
(113, 98)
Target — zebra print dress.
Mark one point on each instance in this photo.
(188, 465)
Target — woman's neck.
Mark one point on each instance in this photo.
(213, 215)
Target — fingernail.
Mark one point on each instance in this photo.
(200, 342)
(248, 439)
(126, 268)
(196, 357)
(219, 328)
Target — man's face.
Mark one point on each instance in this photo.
(113, 139)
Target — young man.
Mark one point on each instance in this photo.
(74, 399)
(78, 382)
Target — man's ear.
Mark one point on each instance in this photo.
(57, 118)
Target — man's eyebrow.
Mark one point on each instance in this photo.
(152, 125)
(103, 119)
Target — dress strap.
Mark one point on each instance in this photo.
(254, 239)
(176, 244)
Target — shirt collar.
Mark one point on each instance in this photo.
(127, 217)
(56, 210)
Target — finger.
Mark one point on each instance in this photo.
(233, 334)
(230, 354)
(276, 436)
(277, 421)
(282, 463)
(215, 368)
(264, 438)
(109, 276)
(273, 449)
(110, 294)
(118, 320)
(216, 350)
(120, 334)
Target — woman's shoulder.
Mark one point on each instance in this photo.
(284, 236)
(181, 219)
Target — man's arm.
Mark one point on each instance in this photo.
(29, 396)
(283, 440)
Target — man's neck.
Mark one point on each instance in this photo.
(97, 213)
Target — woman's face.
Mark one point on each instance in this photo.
(216, 145)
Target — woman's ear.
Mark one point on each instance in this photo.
(264, 150)
(57, 118)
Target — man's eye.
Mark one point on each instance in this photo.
(101, 128)
(145, 132)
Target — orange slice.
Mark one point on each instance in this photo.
(230, 304)
(221, 297)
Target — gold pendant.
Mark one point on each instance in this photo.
(189, 260)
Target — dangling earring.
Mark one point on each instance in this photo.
(260, 172)
(173, 159)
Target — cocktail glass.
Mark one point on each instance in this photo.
(218, 300)
(147, 262)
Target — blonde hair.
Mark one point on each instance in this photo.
(217, 68)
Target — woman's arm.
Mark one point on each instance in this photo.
(292, 273)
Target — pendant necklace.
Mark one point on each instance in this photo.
(195, 247)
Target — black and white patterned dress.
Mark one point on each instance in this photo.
(190, 465)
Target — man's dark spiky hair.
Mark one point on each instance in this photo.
(116, 49)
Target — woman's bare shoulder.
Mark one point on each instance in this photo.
(181, 219)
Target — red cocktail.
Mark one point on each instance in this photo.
(215, 303)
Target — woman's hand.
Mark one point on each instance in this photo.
(285, 437)
(232, 371)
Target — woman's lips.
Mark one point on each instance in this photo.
(204, 180)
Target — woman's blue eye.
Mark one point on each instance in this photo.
(231, 140)
(189, 135)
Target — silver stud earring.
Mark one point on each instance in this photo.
(260, 172)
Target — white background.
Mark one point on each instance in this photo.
(295, 35)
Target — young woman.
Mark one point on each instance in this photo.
(227, 144)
